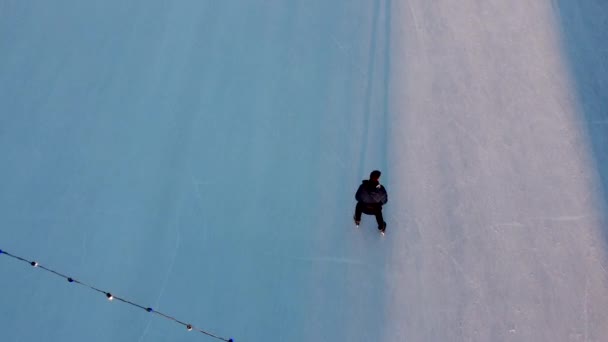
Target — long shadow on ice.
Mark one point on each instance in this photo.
(584, 30)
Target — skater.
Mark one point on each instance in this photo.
(371, 196)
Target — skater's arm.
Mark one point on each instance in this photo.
(359, 194)
(384, 195)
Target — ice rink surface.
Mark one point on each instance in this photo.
(201, 158)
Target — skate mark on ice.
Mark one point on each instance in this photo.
(564, 218)
(492, 228)
(335, 260)
(472, 137)
(369, 88)
(347, 53)
(496, 226)
(326, 259)
(335, 158)
(458, 266)
(534, 220)
(167, 274)
(508, 224)
(200, 202)
(83, 255)
(586, 308)
(386, 127)
(414, 20)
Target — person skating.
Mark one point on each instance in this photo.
(371, 196)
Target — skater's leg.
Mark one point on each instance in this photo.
(358, 211)
(380, 219)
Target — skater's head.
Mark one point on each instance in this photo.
(375, 175)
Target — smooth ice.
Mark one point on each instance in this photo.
(201, 157)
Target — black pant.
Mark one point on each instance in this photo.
(370, 209)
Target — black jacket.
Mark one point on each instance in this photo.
(371, 192)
